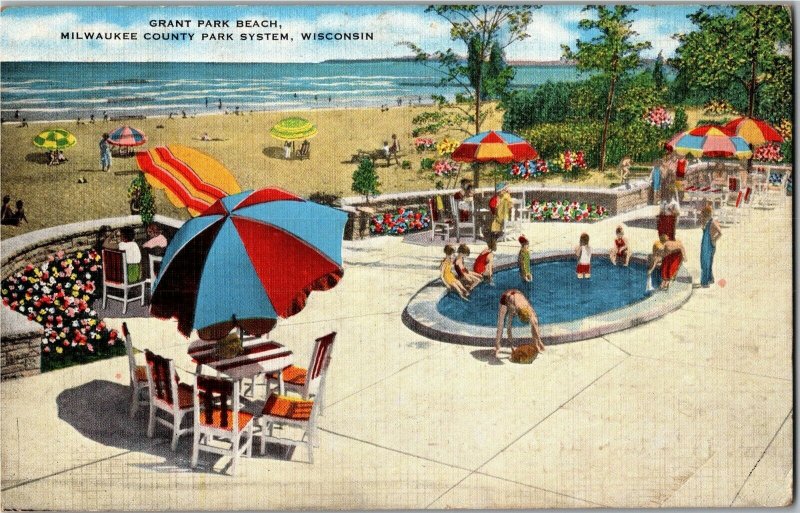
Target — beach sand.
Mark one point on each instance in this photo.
(53, 196)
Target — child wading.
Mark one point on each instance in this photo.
(584, 254)
(524, 260)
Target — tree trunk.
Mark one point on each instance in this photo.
(476, 170)
(606, 119)
(751, 92)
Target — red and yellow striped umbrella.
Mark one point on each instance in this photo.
(754, 131)
(190, 178)
(500, 147)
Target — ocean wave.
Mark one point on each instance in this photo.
(68, 90)
(41, 109)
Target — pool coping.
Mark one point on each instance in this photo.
(421, 315)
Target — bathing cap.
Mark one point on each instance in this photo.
(523, 239)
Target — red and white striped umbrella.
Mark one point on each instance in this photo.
(127, 136)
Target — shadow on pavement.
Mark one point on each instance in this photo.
(98, 410)
(487, 355)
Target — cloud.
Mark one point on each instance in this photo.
(659, 31)
(547, 33)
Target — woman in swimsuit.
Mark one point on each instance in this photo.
(514, 303)
(620, 251)
(446, 273)
(484, 264)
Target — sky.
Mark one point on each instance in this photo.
(34, 33)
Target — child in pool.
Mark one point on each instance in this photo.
(621, 250)
(468, 278)
(513, 302)
(584, 254)
(484, 264)
(446, 273)
(524, 260)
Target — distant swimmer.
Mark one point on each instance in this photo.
(220, 104)
(16, 114)
(206, 101)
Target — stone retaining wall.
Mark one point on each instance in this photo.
(616, 201)
(20, 347)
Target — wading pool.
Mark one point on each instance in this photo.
(569, 309)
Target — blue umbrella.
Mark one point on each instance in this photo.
(248, 259)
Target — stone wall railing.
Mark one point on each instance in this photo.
(617, 200)
(20, 350)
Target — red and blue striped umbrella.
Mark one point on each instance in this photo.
(255, 255)
(500, 147)
(127, 136)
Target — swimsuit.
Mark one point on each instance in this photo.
(620, 243)
(585, 261)
(480, 263)
(447, 273)
(461, 271)
(670, 265)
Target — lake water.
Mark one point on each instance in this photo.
(64, 90)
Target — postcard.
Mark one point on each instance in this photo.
(396, 256)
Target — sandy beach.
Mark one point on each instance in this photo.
(247, 150)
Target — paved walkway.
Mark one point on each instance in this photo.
(693, 409)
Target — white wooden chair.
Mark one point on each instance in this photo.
(294, 378)
(729, 214)
(138, 375)
(154, 266)
(115, 276)
(439, 219)
(167, 394)
(469, 226)
(285, 410)
(218, 416)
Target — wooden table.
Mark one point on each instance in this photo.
(258, 356)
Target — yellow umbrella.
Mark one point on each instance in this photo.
(293, 129)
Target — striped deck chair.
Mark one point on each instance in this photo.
(302, 412)
(218, 415)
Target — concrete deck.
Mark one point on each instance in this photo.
(692, 409)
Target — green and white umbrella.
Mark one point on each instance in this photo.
(293, 129)
(56, 139)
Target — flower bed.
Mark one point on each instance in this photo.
(768, 153)
(424, 143)
(658, 117)
(58, 295)
(566, 211)
(570, 163)
(403, 221)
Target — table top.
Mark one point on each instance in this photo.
(257, 356)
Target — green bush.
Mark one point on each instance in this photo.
(546, 103)
(681, 121)
(141, 200)
(427, 163)
(720, 121)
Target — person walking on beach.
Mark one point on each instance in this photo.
(16, 114)
(91, 119)
(394, 149)
(708, 245)
(514, 303)
(105, 153)
(105, 116)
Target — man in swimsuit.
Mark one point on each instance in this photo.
(514, 303)
(620, 251)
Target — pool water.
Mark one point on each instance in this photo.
(555, 293)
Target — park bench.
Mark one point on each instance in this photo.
(374, 156)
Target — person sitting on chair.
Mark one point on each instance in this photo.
(53, 158)
(61, 157)
(157, 243)
(133, 255)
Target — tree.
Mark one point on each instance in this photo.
(658, 72)
(746, 45)
(611, 52)
(365, 179)
(482, 73)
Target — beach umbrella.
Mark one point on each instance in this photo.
(293, 129)
(754, 131)
(190, 178)
(709, 141)
(492, 146)
(256, 255)
(127, 136)
(55, 139)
